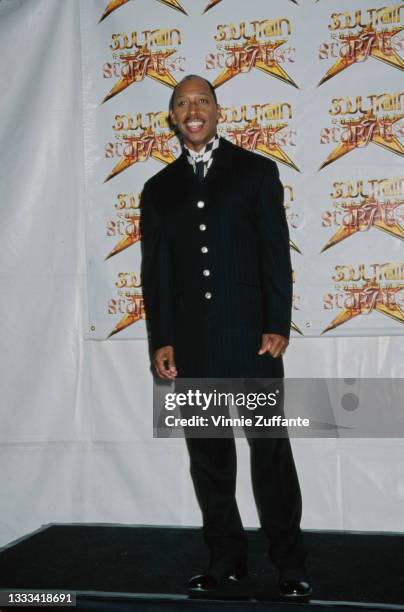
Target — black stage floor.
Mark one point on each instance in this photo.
(119, 568)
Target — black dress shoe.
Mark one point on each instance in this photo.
(295, 589)
(294, 584)
(202, 583)
(206, 582)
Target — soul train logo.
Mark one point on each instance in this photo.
(378, 120)
(364, 289)
(150, 53)
(264, 128)
(138, 139)
(128, 301)
(291, 215)
(115, 4)
(213, 3)
(258, 44)
(364, 34)
(126, 224)
(359, 208)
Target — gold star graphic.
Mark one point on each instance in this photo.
(137, 313)
(141, 148)
(255, 137)
(294, 247)
(296, 329)
(368, 43)
(365, 130)
(115, 4)
(369, 213)
(290, 216)
(250, 55)
(211, 4)
(126, 241)
(367, 299)
(152, 65)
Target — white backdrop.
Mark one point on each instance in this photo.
(76, 418)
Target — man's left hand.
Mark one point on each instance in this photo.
(274, 344)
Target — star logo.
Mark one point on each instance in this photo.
(365, 130)
(364, 300)
(365, 215)
(141, 64)
(295, 302)
(294, 247)
(211, 4)
(291, 215)
(255, 137)
(295, 328)
(115, 4)
(139, 148)
(367, 43)
(135, 306)
(254, 54)
(132, 223)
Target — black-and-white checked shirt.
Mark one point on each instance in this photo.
(203, 156)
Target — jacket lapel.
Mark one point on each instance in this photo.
(183, 170)
(222, 160)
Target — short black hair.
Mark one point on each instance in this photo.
(186, 78)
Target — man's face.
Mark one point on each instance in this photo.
(195, 113)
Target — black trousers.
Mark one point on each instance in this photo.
(213, 464)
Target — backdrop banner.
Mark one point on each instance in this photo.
(76, 437)
(315, 86)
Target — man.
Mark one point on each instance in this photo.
(217, 285)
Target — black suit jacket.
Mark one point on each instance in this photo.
(216, 268)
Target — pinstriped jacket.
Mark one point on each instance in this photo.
(216, 269)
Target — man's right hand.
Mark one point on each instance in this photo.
(163, 361)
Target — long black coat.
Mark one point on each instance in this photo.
(216, 268)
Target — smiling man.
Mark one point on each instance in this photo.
(195, 113)
(217, 285)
